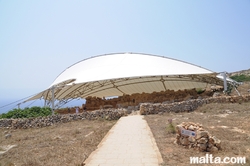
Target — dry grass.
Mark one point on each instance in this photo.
(243, 89)
(228, 122)
(63, 144)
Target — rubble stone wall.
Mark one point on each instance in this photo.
(108, 114)
(114, 114)
(189, 105)
(93, 103)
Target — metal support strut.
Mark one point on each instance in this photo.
(52, 99)
(225, 81)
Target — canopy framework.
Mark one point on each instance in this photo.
(126, 73)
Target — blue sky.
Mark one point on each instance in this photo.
(39, 39)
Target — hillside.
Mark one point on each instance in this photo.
(242, 72)
(241, 76)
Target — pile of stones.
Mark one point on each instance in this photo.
(192, 135)
(107, 114)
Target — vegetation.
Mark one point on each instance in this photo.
(229, 89)
(241, 78)
(200, 91)
(171, 127)
(27, 112)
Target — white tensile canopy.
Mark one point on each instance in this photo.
(127, 73)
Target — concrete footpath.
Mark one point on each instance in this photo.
(130, 142)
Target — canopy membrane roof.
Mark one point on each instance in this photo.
(127, 73)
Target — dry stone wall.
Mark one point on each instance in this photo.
(189, 105)
(113, 114)
(108, 114)
(93, 103)
(193, 135)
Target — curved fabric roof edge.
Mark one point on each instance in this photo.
(129, 53)
(132, 53)
(126, 73)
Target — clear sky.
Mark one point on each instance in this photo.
(39, 39)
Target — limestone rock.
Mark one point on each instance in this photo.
(191, 127)
(178, 129)
(213, 149)
(184, 141)
(8, 136)
(216, 142)
(202, 141)
(200, 134)
(191, 139)
(202, 147)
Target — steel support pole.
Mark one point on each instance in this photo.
(225, 81)
(52, 99)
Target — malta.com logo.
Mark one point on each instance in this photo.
(209, 159)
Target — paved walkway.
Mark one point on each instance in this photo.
(130, 142)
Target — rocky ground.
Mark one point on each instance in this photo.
(61, 144)
(70, 143)
(228, 122)
(245, 72)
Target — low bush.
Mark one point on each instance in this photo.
(200, 91)
(171, 127)
(27, 112)
(241, 78)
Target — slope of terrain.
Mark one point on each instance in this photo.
(63, 144)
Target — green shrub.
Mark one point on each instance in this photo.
(171, 127)
(199, 91)
(27, 112)
(241, 78)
